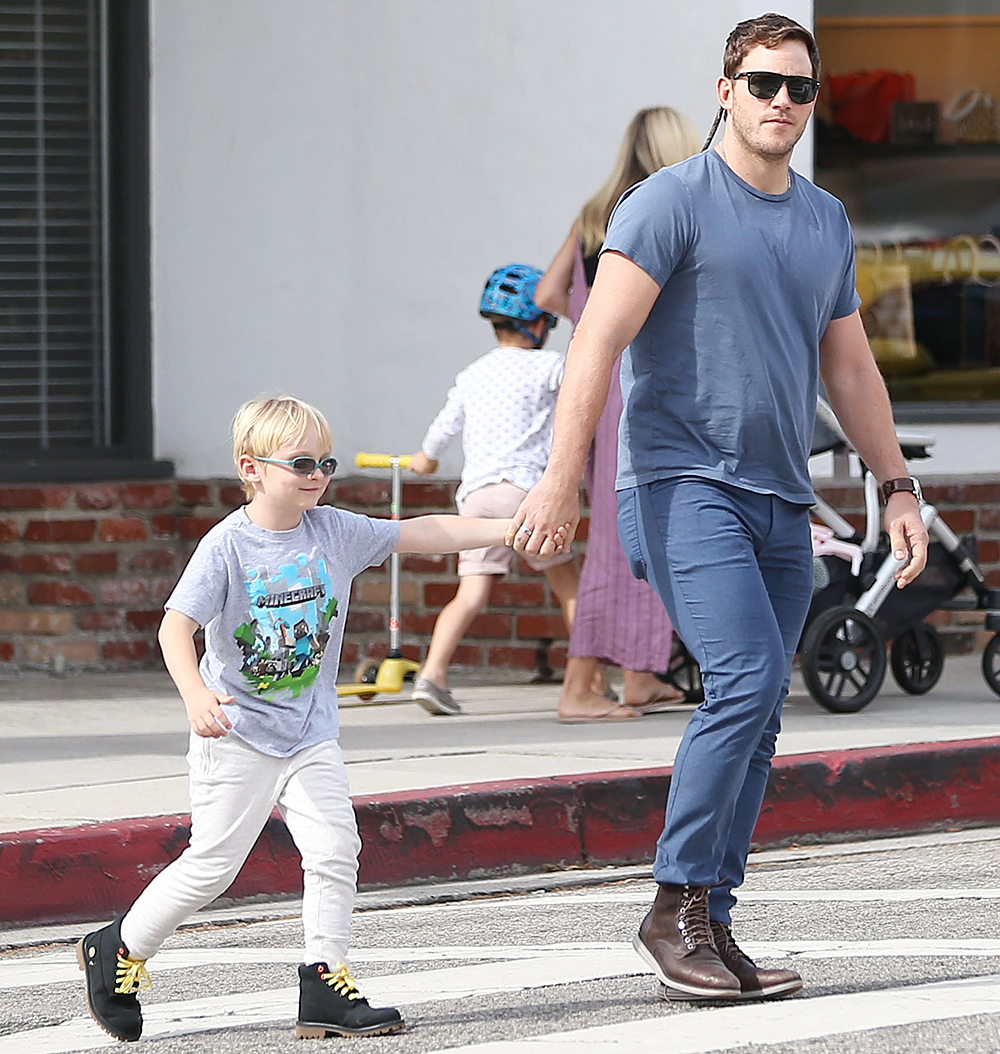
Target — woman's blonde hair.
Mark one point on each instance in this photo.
(655, 137)
(262, 426)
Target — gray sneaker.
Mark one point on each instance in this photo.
(433, 698)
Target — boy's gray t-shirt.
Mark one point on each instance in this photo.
(274, 605)
(721, 380)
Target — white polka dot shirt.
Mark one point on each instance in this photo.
(503, 404)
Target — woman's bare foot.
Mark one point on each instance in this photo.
(646, 689)
(589, 707)
(580, 702)
(600, 685)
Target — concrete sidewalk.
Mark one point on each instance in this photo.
(88, 763)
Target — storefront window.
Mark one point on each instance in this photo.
(908, 138)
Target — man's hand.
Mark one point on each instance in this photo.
(907, 536)
(204, 710)
(422, 464)
(546, 520)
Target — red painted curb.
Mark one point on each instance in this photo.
(65, 874)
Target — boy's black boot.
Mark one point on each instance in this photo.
(113, 978)
(330, 1004)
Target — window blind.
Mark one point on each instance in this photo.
(54, 376)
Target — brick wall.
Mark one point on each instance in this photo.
(85, 568)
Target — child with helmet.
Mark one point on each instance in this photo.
(503, 404)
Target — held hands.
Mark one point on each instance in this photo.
(422, 464)
(907, 536)
(204, 710)
(546, 521)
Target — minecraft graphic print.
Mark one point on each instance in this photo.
(288, 629)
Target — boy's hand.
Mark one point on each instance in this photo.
(422, 464)
(561, 536)
(204, 710)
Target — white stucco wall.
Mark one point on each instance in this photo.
(332, 181)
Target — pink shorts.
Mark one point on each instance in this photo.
(497, 501)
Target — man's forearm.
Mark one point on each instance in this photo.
(619, 304)
(862, 406)
(582, 397)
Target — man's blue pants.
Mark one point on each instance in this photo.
(734, 571)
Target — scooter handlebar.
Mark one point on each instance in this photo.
(363, 460)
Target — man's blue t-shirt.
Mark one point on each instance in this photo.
(721, 380)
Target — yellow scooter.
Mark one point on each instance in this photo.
(386, 677)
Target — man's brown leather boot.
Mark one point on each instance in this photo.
(675, 939)
(755, 983)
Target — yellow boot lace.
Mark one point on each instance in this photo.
(341, 981)
(130, 975)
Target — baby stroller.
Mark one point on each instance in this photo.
(856, 607)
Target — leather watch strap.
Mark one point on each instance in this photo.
(907, 483)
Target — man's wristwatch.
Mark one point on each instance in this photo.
(907, 483)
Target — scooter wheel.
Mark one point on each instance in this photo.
(843, 659)
(917, 658)
(366, 672)
(991, 662)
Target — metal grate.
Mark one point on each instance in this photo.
(53, 227)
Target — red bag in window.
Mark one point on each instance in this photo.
(862, 102)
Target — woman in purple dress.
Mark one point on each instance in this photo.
(619, 620)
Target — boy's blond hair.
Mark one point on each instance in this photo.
(262, 426)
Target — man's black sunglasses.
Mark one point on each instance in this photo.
(801, 90)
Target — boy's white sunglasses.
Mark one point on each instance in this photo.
(304, 466)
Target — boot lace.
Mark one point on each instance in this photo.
(727, 946)
(342, 982)
(692, 917)
(130, 975)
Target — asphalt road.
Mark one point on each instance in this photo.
(898, 941)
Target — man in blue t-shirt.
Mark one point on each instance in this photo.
(731, 281)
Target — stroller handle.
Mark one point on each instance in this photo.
(363, 460)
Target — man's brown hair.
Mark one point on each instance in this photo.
(769, 31)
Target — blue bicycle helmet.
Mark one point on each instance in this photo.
(510, 294)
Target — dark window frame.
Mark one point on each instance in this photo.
(129, 455)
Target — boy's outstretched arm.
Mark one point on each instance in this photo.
(204, 707)
(449, 534)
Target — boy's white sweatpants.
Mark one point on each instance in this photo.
(233, 790)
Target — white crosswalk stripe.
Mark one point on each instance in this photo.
(788, 1022)
(450, 973)
(615, 957)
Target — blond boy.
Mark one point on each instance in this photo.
(270, 585)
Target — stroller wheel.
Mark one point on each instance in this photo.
(991, 662)
(917, 658)
(843, 659)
